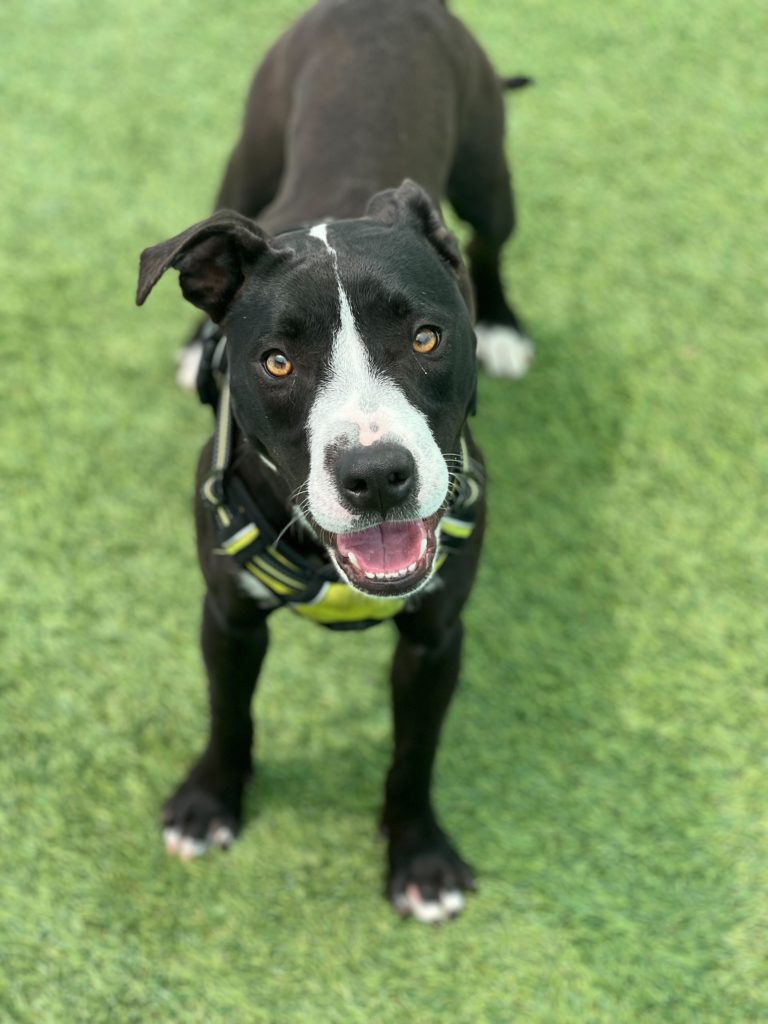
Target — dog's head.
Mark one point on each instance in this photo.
(352, 367)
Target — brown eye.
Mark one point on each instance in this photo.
(277, 364)
(426, 340)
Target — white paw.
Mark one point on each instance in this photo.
(187, 365)
(411, 903)
(188, 848)
(502, 350)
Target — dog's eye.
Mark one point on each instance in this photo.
(278, 364)
(426, 340)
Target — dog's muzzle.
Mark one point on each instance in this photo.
(393, 556)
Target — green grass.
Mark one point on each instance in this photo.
(605, 763)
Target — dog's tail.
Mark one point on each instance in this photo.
(515, 82)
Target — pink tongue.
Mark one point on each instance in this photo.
(389, 547)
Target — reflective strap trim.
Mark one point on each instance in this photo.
(268, 581)
(465, 459)
(223, 433)
(282, 577)
(456, 527)
(241, 539)
(274, 553)
(474, 491)
(212, 488)
(207, 491)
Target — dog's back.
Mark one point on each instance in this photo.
(354, 97)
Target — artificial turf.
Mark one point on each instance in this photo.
(605, 764)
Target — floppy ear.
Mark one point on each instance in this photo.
(410, 204)
(212, 258)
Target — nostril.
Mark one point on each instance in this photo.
(398, 477)
(357, 486)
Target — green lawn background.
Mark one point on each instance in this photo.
(605, 763)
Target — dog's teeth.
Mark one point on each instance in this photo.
(403, 572)
(353, 559)
(411, 567)
(381, 575)
(423, 548)
(370, 575)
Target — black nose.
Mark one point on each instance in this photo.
(376, 477)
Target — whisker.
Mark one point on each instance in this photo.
(420, 364)
(285, 529)
(459, 465)
(299, 497)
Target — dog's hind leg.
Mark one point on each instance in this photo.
(480, 191)
(205, 810)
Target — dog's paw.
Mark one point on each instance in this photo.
(427, 878)
(194, 820)
(503, 351)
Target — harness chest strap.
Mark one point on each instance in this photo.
(314, 591)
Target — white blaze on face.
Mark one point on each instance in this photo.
(358, 405)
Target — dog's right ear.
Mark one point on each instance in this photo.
(212, 258)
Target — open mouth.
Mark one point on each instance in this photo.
(390, 559)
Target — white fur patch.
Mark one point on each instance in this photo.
(358, 405)
(190, 848)
(410, 903)
(223, 837)
(503, 351)
(187, 365)
(172, 840)
(187, 848)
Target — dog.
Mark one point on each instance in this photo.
(342, 480)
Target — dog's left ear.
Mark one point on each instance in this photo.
(411, 204)
(212, 258)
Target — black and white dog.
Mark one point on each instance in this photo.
(342, 478)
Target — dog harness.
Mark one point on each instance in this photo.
(311, 587)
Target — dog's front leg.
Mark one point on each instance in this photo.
(205, 810)
(426, 876)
